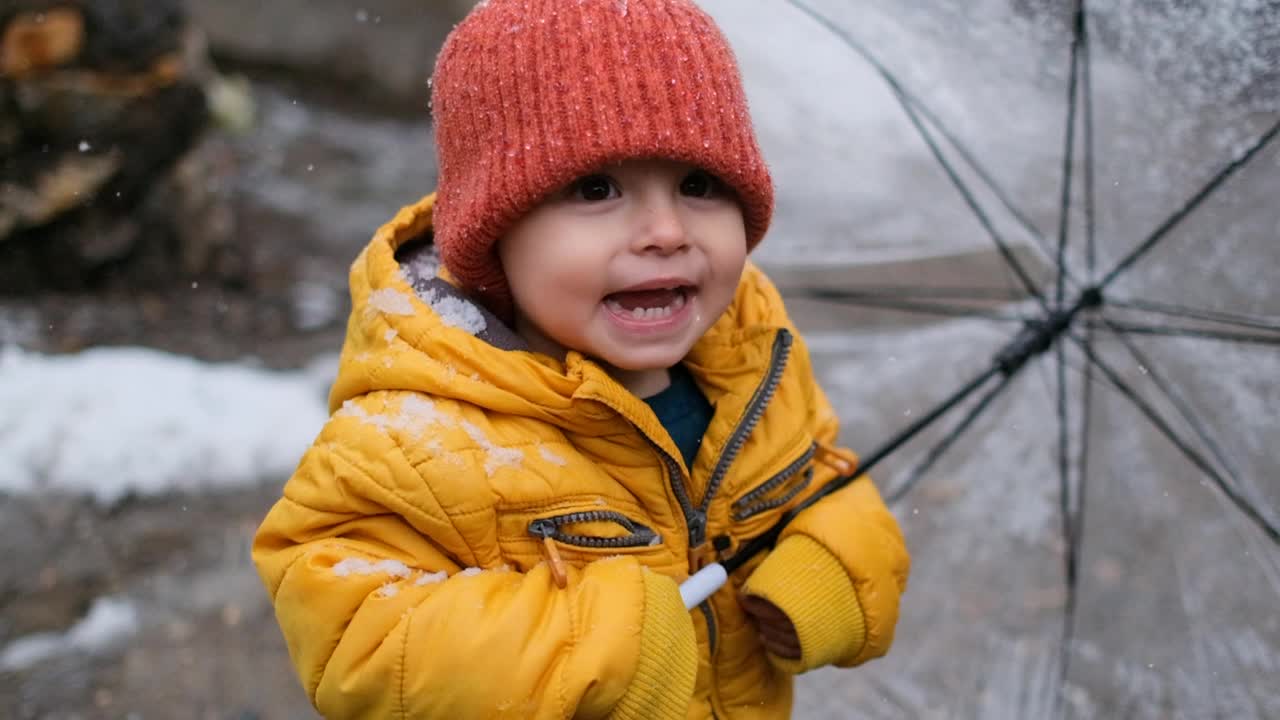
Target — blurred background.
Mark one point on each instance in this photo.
(184, 185)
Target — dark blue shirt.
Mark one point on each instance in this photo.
(684, 411)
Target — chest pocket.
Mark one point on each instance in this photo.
(755, 506)
(759, 507)
(778, 489)
(577, 531)
(595, 529)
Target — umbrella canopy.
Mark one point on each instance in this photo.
(1150, 421)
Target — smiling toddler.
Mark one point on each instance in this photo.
(564, 389)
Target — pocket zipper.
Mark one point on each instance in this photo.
(640, 536)
(549, 530)
(750, 504)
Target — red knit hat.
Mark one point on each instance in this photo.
(529, 95)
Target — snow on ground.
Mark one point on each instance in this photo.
(108, 622)
(111, 422)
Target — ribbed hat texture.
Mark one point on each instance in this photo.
(529, 95)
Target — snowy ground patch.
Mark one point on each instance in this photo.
(108, 622)
(111, 422)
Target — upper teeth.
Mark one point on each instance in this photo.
(654, 313)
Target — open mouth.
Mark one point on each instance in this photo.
(652, 304)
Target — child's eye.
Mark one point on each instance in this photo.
(701, 184)
(593, 188)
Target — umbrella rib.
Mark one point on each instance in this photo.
(943, 445)
(1179, 403)
(1082, 464)
(1243, 504)
(911, 306)
(1042, 243)
(1069, 536)
(1170, 331)
(931, 293)
(1073, 518)
(1162, 232)
(904, 99)
(1257, 322)
(1091, 263)
(1064, 441)
(1068, 153)
(1005, 250)
(1090, 188)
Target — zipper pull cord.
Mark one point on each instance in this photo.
(555, 562)
(546, 529)
(838, 459)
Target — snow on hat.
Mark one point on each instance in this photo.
(529, 95)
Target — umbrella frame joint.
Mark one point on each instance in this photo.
(1039, 334)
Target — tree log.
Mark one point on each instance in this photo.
(99, 99)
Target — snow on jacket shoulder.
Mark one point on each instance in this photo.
(480, 531)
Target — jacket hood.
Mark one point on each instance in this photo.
(411, 328)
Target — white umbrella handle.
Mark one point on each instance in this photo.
(702, 584)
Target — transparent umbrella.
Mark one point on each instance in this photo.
(1041, 296)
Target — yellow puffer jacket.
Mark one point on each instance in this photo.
(481, 532)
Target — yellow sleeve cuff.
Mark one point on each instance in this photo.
(808, 583)
(668, 663)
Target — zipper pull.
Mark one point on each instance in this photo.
(555, 562)
(701, 556)
(546, 529)
(838, 459)
(700, 551)
(697, 522)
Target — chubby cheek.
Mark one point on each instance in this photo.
(548, 280)
(726, 275)
(563, 298)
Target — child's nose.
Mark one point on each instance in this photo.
(663, 229)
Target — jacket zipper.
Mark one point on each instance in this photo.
(755, 409)
(696, 520)
(549, 529)
(695, 517)
(750, 504)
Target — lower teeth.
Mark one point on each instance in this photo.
(649, 313)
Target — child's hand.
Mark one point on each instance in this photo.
(777, 634)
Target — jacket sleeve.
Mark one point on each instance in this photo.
(840, 568)
(381, 621)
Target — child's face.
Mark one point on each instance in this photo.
(630, 265)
